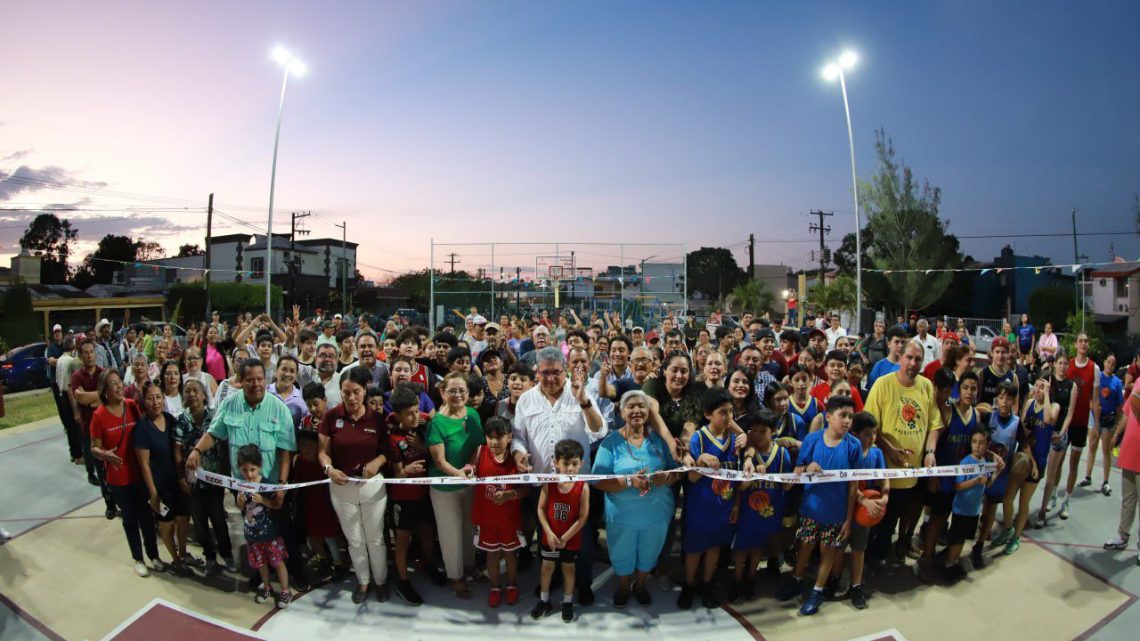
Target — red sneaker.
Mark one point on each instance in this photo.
(495, 597)
(512, 594)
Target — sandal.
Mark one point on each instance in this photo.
(461, 589)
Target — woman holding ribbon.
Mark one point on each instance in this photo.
(353, 441)
(639, 504)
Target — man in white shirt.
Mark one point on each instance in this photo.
(931, 346)
(834, 332)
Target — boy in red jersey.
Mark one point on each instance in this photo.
(496, 510)
(563, 509)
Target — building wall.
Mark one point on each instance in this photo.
(1104, 296)
(663, 282)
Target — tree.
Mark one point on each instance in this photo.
(713, 271)
(908, 235)
(1050, 305)
(50, 238)
(839, 294)
(190, 250)
(1082, 322)
(148, 250)
(101, 265)
(753, 295)
(18, 322)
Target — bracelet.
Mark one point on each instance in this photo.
(629, 481)
(327, 468)
(586, 405)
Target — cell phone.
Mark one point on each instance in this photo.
(163, 510)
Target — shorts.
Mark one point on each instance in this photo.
(941, 503)
(408, 515)
(1107, 422)
(271, 553)
(176, 501)
(699, 538)
(635, 547)
(811, 531)
(1078, 436)
(963, 528)
(491, 537)
(1061, 443)
(859, 537)
(558, 556)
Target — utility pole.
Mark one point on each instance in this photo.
(209, 229)
(451, 259)
(344, 270)
(295, 263)
(1076, 260)
(518, 288)
(823, 230)
(751, 256)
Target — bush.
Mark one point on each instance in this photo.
(1052, 305)
(18, 323)
(226, 298)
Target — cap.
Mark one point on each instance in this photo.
(337, 316)
(1000, 341)
(951, 336)
(815, 331)
(652, 337)
(101, 323)
(57, 328)
(764, 332)
(493, 326)
(638, 329)
(479, 320)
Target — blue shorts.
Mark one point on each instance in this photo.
(698, 537)
(635, 547)
(756, 534)
(996, 492)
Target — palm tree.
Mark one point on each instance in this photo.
(754, 296)
(838, 295)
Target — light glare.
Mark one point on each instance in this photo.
(281, 55)
(831, 72)
(848, 59)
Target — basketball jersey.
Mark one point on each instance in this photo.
(562, 510)
(709, 500)
(806, 413)
(954, 444)
(1039, 434)
(791, 425)
(483, 508)
(1003, 443)
(988, 382)
(1062, 394)
(1086, 381)
(762, 505)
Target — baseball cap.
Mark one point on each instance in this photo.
(57, 328)
(652, 337)
(763, 333)
(815, 331)
(479, 320)
(337, 316)
(951, 336)
(1000, 341)
(639, 329)
(493, 326)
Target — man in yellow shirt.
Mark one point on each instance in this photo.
(909, 425)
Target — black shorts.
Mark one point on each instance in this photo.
(176, 501)
(963, 528)
(1078, 436)
(941, 503)
(408, 515)
(1107, 422)
(560, 556)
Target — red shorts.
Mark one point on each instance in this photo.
(498, 537)
(270, 553)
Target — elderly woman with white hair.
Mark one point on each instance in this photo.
(639, 504)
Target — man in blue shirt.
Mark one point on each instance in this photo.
(1026, 335)
(896, 339)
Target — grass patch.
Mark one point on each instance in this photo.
(27, 408)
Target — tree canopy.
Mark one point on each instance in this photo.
(101, 265)
(713, 272)
(50, 238)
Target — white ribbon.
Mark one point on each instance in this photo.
(803, 478)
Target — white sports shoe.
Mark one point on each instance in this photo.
(1116, 543)
(141, 569)
(1065, 509)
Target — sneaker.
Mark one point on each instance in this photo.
(567, 612)
(1013, 545)
(1085, 482)
(664, 583)
(109, 513)
(643, 597)
(437, 576)
(811, 605)
(284, 599)
(495, 598)
(977, 558)
(1116, 543)
(541, 610)
(382, 594)
(405, 591)
(1002, 537)
(621, 598)
(1041, 520)
(585, 595)
(141, 569)
(1052, 503)
(857, 596)
(793, 588)
(685, 600)
(212, 568)
(360, 596)
(231, 564)
(1106, 489)
(1064, 509)
(5, 535)
(189, 560)
(955, 573)
(264, 594)
(709, 597)
(158, 565)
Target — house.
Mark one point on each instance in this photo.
(1001, 291)
(308, 271)
(1113, 292)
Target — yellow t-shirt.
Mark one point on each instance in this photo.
(906, 415)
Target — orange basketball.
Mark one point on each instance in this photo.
(862, 516)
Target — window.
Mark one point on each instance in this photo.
(257, 266)
(1121, 287)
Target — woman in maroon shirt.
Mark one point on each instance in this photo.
(353, 444)
(112, 427)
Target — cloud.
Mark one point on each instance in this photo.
(28, 179)
(16, 155)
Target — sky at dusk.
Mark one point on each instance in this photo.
(517, 121)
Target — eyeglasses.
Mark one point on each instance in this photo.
(550, 373)
(455, 392)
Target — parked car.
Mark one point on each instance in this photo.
(983, 337)
(24, 367)
(412, 317)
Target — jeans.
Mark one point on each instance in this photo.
(207, 507)
(74, 438)
(138, 519)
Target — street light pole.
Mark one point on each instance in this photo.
(846, 61)
(291, 64)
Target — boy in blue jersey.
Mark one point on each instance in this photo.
(827, 507)
(969, 492)
(865, 427)
(708, 501)
(759, 508)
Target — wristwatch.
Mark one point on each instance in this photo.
(629, 481)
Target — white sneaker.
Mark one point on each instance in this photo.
(1106, 489)
(1052, 503)
(1065, 509)
(4, 535)
(141, 569)
(1116, 543)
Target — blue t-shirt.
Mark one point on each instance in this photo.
(882, 368)
(258, 525)
(1025, 335)
(1111, 395)
(969, 502)
(628, 507)
(1003, 442)
(873, 459)
(709, 501)
(826, 503)
(792, 425)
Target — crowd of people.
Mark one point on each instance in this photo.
(314, 398)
